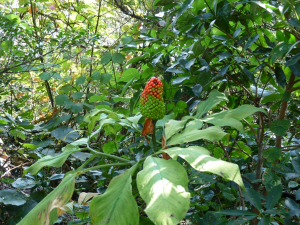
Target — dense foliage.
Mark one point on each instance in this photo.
(222, 145)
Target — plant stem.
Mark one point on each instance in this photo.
(154, 136)
(102, 166)
(87, 161)
(110, 156)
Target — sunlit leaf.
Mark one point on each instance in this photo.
(109, 208)
(199, 158)
(163, 186)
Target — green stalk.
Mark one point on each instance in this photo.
(154, 136)
(102, 166)
(110, 156)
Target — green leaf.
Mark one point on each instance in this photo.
(222, 13)
(255, 197)
(105, 58)
(293, 206)
(56, 161)
(280, 76)
(18, 133)
(293, 184)
(225, 122)
(251, 41)
(80, 80)
(163, 184)
(118, 58)
(11, 197)
(105, 78)
(293, 60)
(272, 154)
(126, 40)
(279, 127)
(238, 113)
(182, 9)
(77, 95)
(237, 153)
(64, 133)
(60, 99)
(109, 208)
(214, 98)
(294, 22)
(45, 76)
(228, 195)
(223, 70)
(273, 196)
(76, 108)
(210, 134)
(98, 98)
(296, 164)
(271, 98)
(13, 17)
(280, 36)
(173, 126)
(279, 51)
(24, 183)
(66, 88)
(231, 212)
(297, 195)
(270, 178)
(46, 211)
(199, 158)
(266, 220)
(269, 8)
(197, 89)
(129, 74)
(110, 147)
(249, 75)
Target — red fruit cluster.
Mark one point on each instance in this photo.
(154, 88)
(152, 104)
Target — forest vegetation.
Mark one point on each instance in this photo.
(149, 112)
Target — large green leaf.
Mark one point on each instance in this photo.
(199, 158)
(46, 211)
(163, 186)
(237, 114)
(117, 205)
(214, 98)
(273, 196)
(225, 122)
(56, 161)
(173, 126)
(210, 134)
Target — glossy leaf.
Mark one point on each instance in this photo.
(210, 134)
(182, 9)
(251, 41)
(280, 76)
(46, 211)
(199, 158)
(255, 198)
(214, 98)
(296, 164)
(238, 113)
(173, 126)
(163, 186)
(109, 207)
(56, 161)
(225, 122)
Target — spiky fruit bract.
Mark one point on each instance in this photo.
(152, 103)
